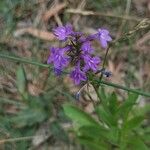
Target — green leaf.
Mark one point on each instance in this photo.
(127, 105)
(103, 97)
(137, 144)
(102, 92)
(56, 129)
(2, 6)
(94, 132)
(93, 145)
(79, 117)
(113, 103)
(142, 110)
(99, 133)
(105, 116)
(28, 117)
(133, 123)
(21, 80)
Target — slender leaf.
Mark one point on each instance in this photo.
(79, 117)
(21, 79)
(105, 116)
(28, 117)
(137, 144)
(92, 145)
(127, 105)
(134, 122)
(113, 103)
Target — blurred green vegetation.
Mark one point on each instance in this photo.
(118, 126)
(31, 97)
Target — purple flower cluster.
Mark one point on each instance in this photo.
(78, 52)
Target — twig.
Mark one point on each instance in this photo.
(104, 62)
(88, 13)
(18, 139)
(23, 60)
(127, 10)
(48, 14)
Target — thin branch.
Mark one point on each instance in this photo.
(18, 139)
(23, 60)
(124, 88)
(91, 13)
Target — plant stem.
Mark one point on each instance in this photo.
(123, 88)
(23, 60)
(104, 62)
(105, 58)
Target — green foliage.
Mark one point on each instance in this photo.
(79, 117)
(29, 113)
(21, 80)
(117, 125)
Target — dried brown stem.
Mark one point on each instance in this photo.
(88, 13)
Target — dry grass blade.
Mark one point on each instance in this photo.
(44, 35)
(53, 11)
(18, 139)
(88, 13)
(141, 43)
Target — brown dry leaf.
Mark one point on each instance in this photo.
(141, 43)
(146, 69)
(90, 89)
(20, 43)
(53, 11)
(41, 135)
(89, 108)
(34, 89)
(44, 35)
(11, 109)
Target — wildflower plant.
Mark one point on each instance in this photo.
(114, 122)
(78, 52)
(28, 106)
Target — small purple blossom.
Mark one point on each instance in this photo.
(91, 63)
(58, 58)
(63, 32)
(103, 37)
(77, 75)
(86, 47)
(58, 71)
(105, 72)
(78, 52)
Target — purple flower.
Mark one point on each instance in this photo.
(77, 75)
(86, 47)
(58, 58)
(103, 36)
(63, 32)
(58, 71)
(91, 63)
(77, 34)
(78, 52)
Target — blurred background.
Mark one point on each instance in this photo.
(31, 97)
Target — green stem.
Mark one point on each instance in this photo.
(104, 62)
(23, 60)
(123, 88)
(105, 58)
